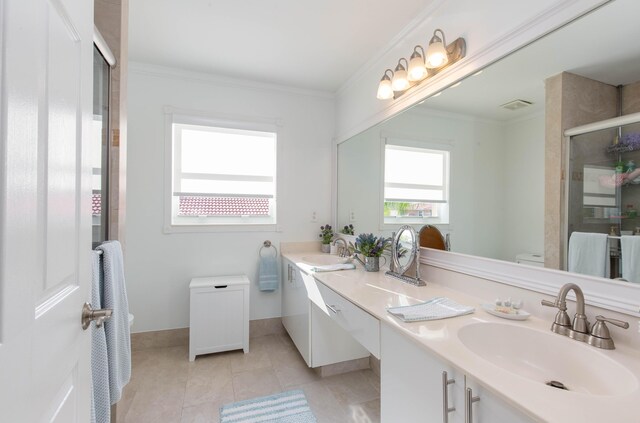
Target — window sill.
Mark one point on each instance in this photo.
(171, 229)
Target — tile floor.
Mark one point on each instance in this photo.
(166, 388)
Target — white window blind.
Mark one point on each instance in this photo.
(415, 175)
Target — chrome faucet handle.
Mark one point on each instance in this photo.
(600, 336)
(561, 305)
(562, 322)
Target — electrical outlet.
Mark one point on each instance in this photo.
(352, 216)
(314, 216)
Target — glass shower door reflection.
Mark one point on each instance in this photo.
(100, 149)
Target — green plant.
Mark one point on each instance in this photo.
(400, 207)
(348, 230)
(371, 246)
(326, 233)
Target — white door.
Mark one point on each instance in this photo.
(45, 107)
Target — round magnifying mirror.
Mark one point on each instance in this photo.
(404, 249)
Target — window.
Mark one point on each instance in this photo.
(222, 174)
(416, 183)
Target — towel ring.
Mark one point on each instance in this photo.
(267, 244)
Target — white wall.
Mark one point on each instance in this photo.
(524, 187)
(159, 266)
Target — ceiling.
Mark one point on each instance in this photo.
(602, 46)
(305, 44)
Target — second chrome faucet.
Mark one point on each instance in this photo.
(578, 329)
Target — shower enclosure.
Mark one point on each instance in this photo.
(103, 60)
(603, 191)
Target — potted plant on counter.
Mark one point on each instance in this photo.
(372, 248)
(348, 230)
(326, 233)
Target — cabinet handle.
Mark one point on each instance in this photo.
(445, 397)
(289, 272)
(468, 405)
(332, 308)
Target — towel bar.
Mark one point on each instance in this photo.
(267, 244)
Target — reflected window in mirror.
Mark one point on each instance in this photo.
(416, 182)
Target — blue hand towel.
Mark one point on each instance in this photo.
(268, 275)
(100, 400)
(116, 328)
(589, 254)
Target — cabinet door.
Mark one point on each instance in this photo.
(295, 309)
(412, 386)
(490, 408)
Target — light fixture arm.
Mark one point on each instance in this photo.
(436, 39)
(405, 66)
(416, 53)
(387, 76)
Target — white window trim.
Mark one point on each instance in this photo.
(444, 145)
(175, 115)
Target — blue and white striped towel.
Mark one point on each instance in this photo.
(434, 309)
(100, 400)
(116, 328)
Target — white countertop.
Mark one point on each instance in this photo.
(374, 292)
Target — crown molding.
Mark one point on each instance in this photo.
(210, 78)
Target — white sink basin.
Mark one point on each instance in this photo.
(544, 357)
(323, 259)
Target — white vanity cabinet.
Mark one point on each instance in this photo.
(319, 339)
(414, 389)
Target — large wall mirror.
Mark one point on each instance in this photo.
(483, 141)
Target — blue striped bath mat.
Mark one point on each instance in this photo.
(286, 407)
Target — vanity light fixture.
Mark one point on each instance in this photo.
(399, 82)
(421, 65)
(385, 91)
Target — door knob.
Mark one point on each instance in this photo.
(89, 315)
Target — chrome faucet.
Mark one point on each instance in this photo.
(562, 325)
(344, 250)
(579, 328)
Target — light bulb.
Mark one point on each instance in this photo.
(417, 71)
(399, 82)
(436, 55)
(385, 91)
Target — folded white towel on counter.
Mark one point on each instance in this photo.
(630, 252)
(434, 309)
(589, 254)
(333, 267)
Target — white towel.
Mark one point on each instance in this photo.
(434, 309)
(630, 250)
(100, 400)
(268, 279)
(333, 267)
(116, 328)
(589, 254)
